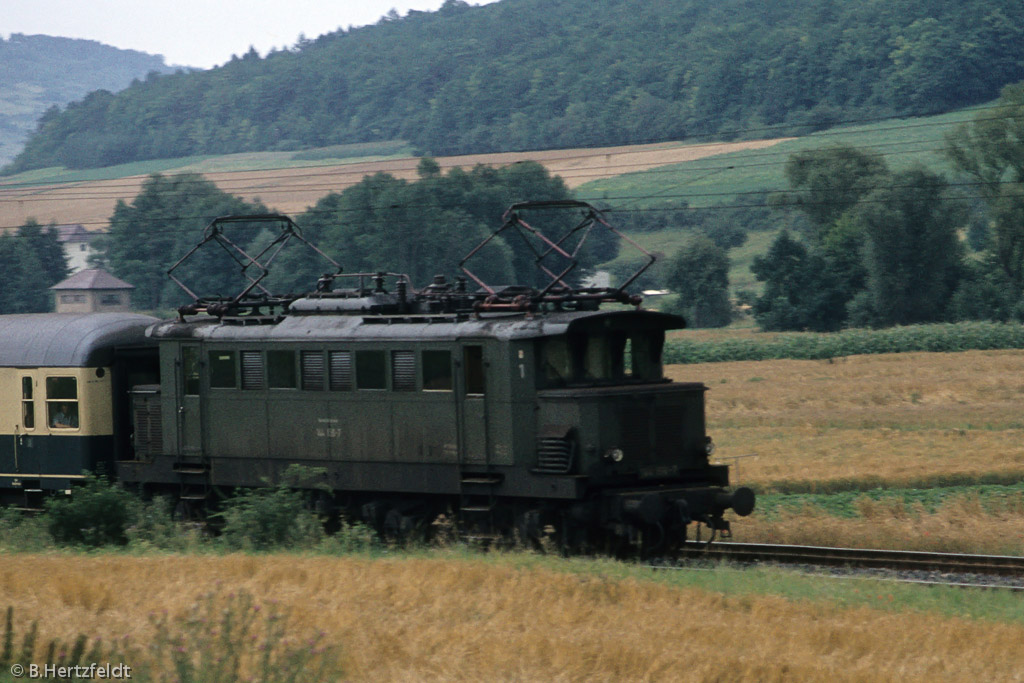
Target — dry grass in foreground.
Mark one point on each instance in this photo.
(413, 619)
(900, 418)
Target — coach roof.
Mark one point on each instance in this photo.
(68, 340)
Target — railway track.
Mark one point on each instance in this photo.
(990, 571)
(862, 558)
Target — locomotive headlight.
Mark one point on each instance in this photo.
(709, 445)
(614, 454)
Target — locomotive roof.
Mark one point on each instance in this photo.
(68, 339)
(507, 326)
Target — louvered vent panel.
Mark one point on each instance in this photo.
(341, 370)
(403, 370)
(252, 370)
(149, 437)
(312, 371)
(554, 455)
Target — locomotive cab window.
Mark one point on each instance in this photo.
(600, 358)
(62, 402)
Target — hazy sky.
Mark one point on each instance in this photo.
(200, 33)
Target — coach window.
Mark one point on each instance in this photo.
(222, 370)
(437, 371)
(281, 369)
(28, 405)
(371, 370)
(62, 402)
(474, 367)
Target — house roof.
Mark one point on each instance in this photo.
(92, 278)
(73, 233)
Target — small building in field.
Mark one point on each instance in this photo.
(92, 291)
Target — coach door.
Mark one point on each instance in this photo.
(473, 406)
(190, 428)
(26, 429)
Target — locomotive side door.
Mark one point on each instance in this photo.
(190, 428)
(472, 406)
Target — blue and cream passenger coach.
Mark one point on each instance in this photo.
(62, 377)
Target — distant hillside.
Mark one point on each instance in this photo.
(535, 74)
(38, 72)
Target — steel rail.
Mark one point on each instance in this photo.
(1002, 565)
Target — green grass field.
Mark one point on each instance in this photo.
(248, 161)
(748, 178)
(729, 178)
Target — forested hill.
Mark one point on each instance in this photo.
(38, 72)
(529, 74)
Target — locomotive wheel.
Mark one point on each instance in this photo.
(189, 511)
(404, 529)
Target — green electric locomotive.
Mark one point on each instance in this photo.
(513, 410)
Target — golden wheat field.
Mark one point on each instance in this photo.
(896, 417)
(413, 619)
(292, 190)
(896, 421)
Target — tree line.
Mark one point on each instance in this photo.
(878, 247)
(421, 228)
(39, 72)
(31, 261)
(860, 244)
(537, 74)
